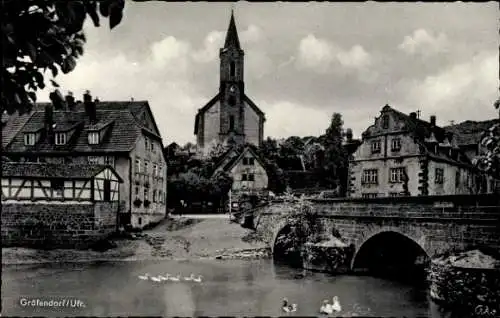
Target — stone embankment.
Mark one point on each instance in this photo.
(468, 282)
(180, 238)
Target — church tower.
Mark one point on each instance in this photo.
(230, 117)
(232, 88)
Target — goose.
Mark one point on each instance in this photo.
(191, 277)
(286, 307)
(144, 277)
(326, 308)
(176, 278)
(336, 304)
(155, 279)
(198, 279)
(163, 278)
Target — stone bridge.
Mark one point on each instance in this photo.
(436, 224)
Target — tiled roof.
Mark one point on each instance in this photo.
(237, 155)
(11, 124)
(49, 170)
(121, 133)
(469, 132)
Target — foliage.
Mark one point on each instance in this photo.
(336, 159)
(44, 35)
(490, 160)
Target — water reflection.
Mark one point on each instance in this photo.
(229, 288)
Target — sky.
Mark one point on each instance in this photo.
(303, 61)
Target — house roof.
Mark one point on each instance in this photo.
(237, 157)
(426, 134)
(11, 124)
(123, 128)
(469, 132)
(217, 98)
(53, 171)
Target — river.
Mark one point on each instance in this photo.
(230, 288)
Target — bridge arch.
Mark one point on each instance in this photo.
(391, 251)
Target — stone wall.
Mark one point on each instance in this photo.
(53, 225)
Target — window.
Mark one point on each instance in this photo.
(397, 174)
(385, 122)
(146, 165)
(139, 221)
(109, 160)
(248, 161)
(160, 171)
(439, 176)
(375, 146)
(107, 190)
(93, 138)
(396, 144)
(154, 195)
(231, 100)
(160, 198)
(369, 195)
(231, 122)
(60, 139)
(251, 177)
(29, 139)
(155, 170)
(57, 184)
(394, 194)
(232, 70)
(137, 165)
(457, 179)
(146, 194)
(152, 146)
(136, 191)
(146, 142)
(244, 177)
(370, 176)
(93, 160)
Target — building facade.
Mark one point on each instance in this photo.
(402, 155)
(52, 205)
(122, 135)
(230, 117)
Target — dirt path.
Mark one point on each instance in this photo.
(172, 239)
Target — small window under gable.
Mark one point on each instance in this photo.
(385, 121)
(93, 137)
(60, 138)
(29, 139)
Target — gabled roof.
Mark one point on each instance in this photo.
(122, 128)
(238, 155)
(11, 124)
(53, 171)
(469, 132)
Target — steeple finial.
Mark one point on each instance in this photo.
(232, 39)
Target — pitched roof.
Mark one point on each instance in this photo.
(469, 132)
(237, 156)
(11, 124)
(232, 40)
(53, 171)
(122, 129)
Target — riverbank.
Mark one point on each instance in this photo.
(177, 238)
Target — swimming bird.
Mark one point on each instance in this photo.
(155, 279)
(336, 304)
(191, 277)
(198, 279)
(326, 308)
(176, 278)
(144, 277)
(286, 307)
(163, 277)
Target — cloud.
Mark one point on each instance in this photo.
(424, 43)
(453, 92)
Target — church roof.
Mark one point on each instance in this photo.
(232, 39)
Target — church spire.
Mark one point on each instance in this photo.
(232, 40)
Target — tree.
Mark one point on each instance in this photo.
(44, 35)
(336, 160)
(490, 160)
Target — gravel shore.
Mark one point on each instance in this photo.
(180, 238)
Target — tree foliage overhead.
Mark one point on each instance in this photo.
(41, 36)
(490, 160)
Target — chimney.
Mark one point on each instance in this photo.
(70, 101)
(348, 134)
(57, 100)
(90, 107)
(413, 115)
(433, 120)
(49, 121)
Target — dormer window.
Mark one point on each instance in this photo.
(60, 138)
(29, 139)
(385, 122)
(93, 137)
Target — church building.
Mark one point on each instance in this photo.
(230, 117)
